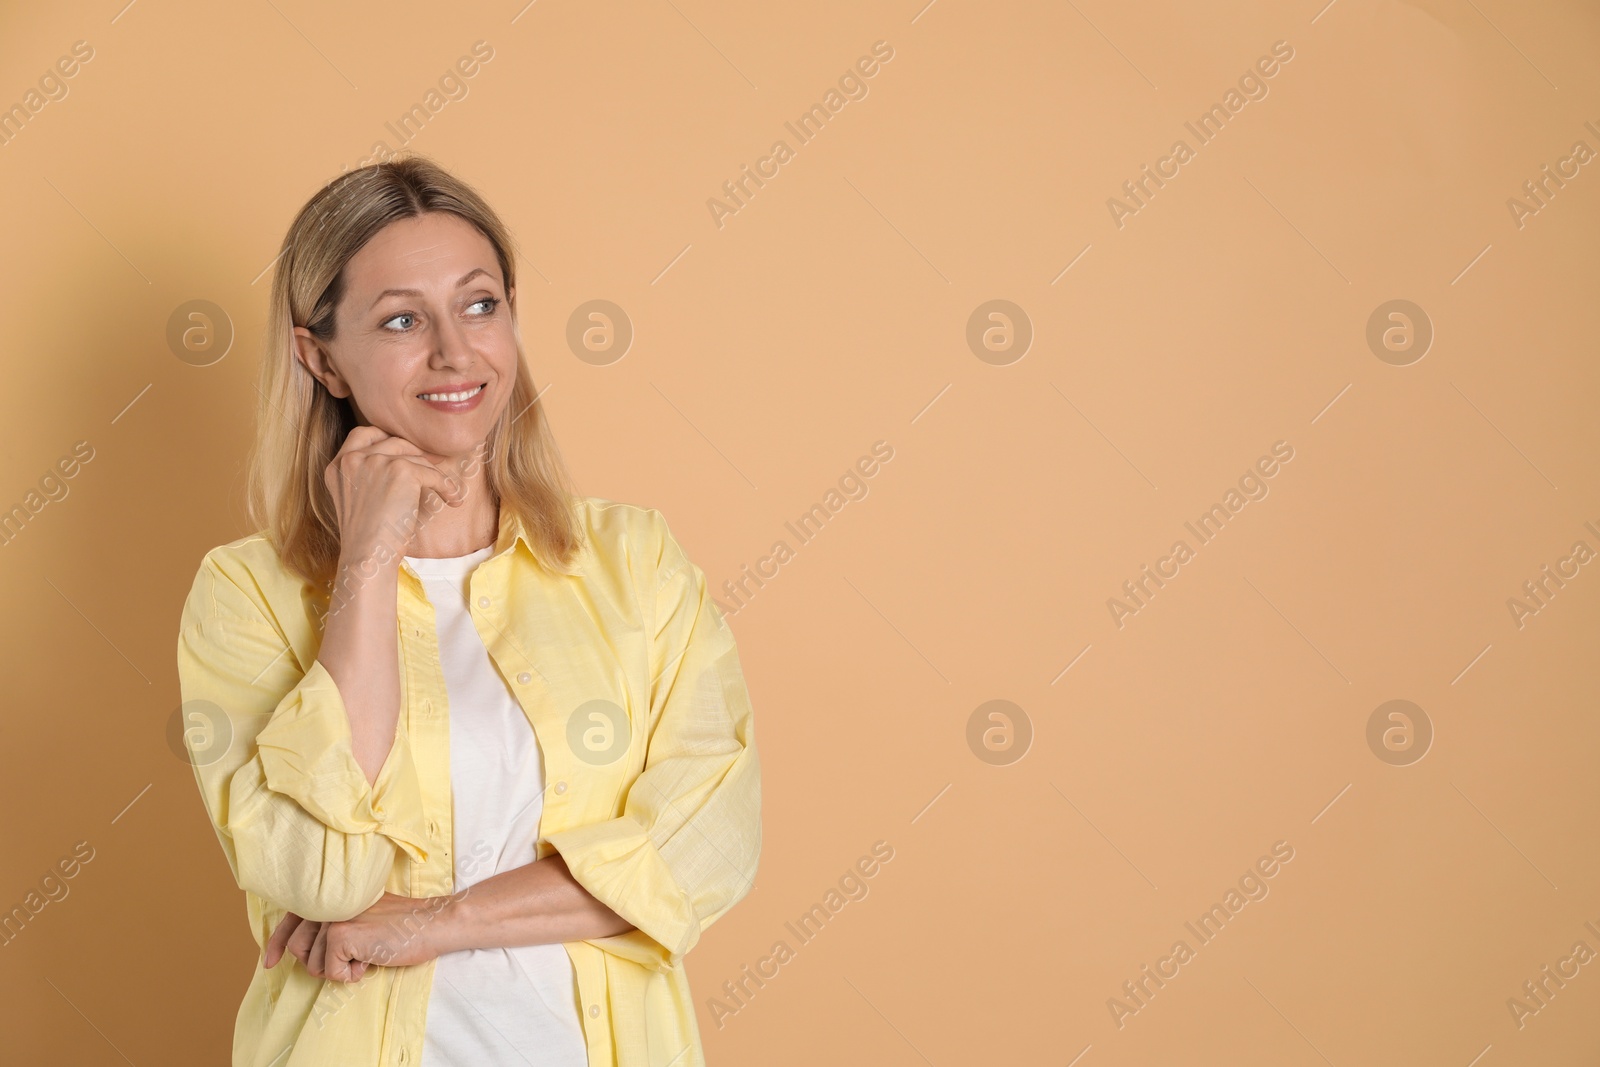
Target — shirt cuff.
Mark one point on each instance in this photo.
(620, 866)
(308, 755)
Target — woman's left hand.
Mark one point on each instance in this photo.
(395, 932)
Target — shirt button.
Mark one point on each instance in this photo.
(524, 677)
(594, 1011)
(483, 602)
(561, 787)
(417, 632)
(377, 809)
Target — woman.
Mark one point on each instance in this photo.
(477, 748)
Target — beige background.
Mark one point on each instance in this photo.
(829, 313)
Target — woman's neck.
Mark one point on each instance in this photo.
(452, 532)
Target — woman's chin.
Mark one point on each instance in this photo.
(449, 445)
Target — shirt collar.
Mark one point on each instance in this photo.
(512, 531)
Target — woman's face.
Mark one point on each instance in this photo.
(424, 343)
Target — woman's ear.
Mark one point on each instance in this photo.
(314, 356)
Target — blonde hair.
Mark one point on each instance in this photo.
(300, 426)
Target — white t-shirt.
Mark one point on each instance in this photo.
(499, 1006)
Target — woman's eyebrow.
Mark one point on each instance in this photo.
(465, 278)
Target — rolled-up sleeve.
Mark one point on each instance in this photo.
(685, 847)
(272, 753)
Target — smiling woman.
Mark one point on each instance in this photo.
(409, 655)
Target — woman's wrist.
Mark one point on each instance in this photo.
(364, 575)
(450, 930)
(368, 559)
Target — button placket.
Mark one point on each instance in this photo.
(424, 679)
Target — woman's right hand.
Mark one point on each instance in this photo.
(380, 486)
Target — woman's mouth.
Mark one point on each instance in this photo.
(463, 399)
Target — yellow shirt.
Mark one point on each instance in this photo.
(653, 799)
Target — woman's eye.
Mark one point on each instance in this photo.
(492, 303)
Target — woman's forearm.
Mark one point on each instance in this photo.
(539, 903)
(361, 652)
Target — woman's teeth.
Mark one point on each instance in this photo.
(468, 395)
